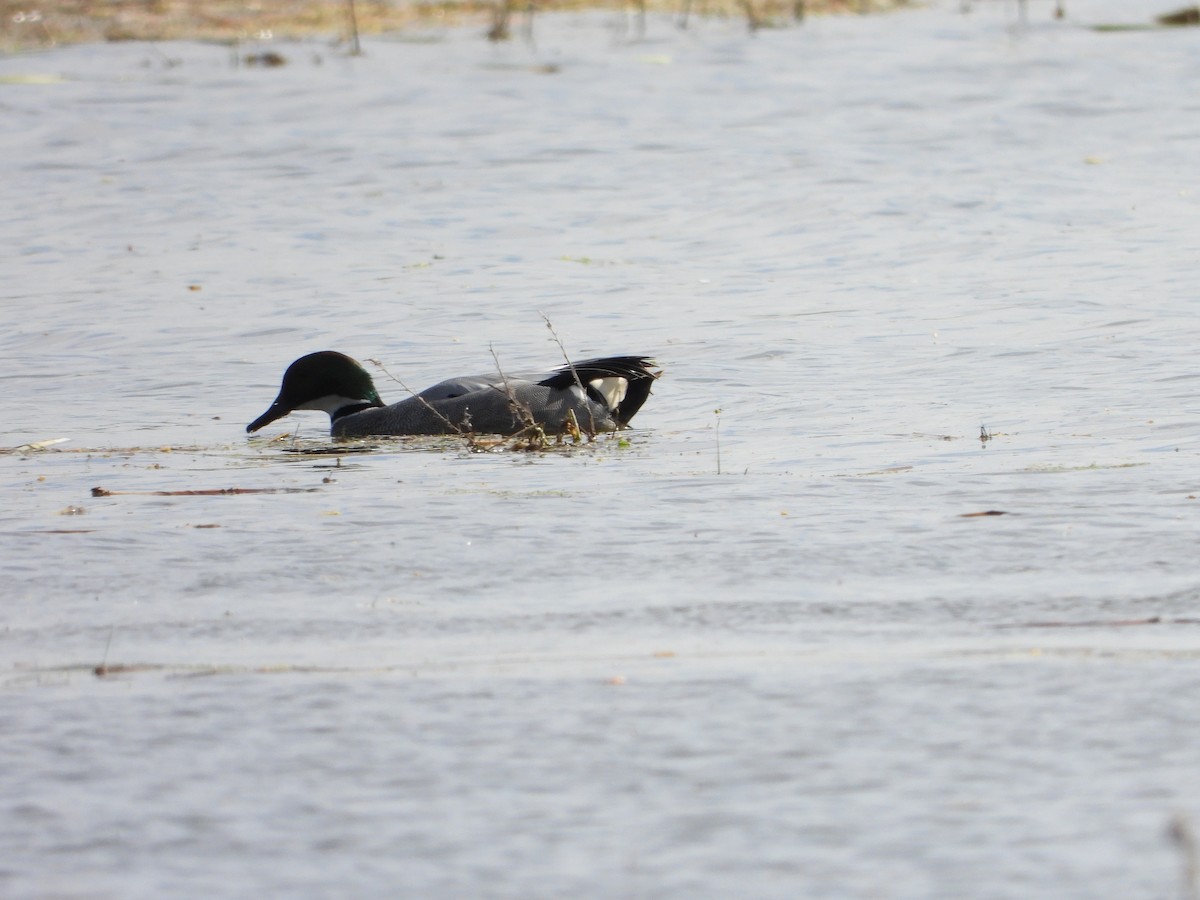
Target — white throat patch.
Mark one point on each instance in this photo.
(331, 403)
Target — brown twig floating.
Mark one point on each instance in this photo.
(212, 492)
(105, 670)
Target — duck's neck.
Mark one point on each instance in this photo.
(350, 409)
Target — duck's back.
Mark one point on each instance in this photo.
(488, 410)
(491, 404)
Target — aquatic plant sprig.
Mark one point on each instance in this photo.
(570, 365)
(531, 436)
(717, 412)
(467, 435)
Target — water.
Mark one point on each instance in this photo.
(758, 652)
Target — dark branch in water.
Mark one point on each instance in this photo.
(1184, 838)
(355, 46)
(212, 492)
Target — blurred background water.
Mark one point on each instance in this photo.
(758, 651)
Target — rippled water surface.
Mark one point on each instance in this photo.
(762, 651)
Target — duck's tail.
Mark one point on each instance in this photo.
(622, 383)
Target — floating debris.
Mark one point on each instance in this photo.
(212, 492)
(1189, 15)
(32, 78)
(1106, 623)
(330, 451)
(268, 59)
(37, 445)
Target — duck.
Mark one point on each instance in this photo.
(604, 394)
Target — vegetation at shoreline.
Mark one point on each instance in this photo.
(30, 24)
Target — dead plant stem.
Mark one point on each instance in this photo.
(570, 365)
(468, 436)
(718, 414)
